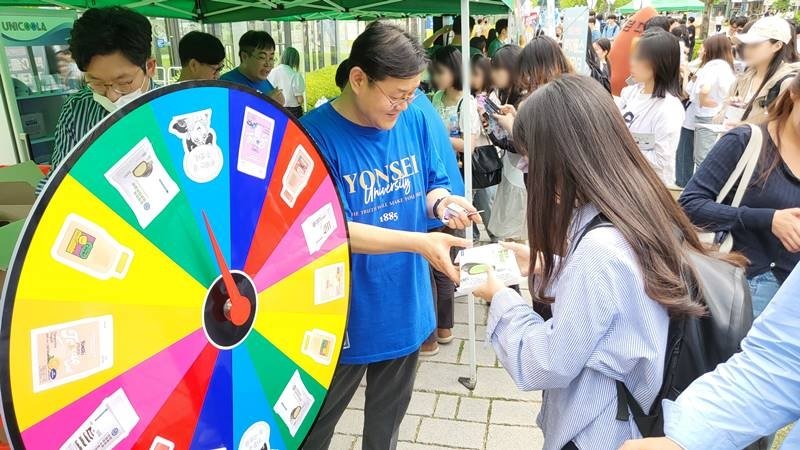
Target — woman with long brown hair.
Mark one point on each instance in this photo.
(766, 224)
(708, 89)
(612, 294)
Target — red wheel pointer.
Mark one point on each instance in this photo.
(240, 306)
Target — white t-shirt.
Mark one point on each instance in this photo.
(655, 124)
(290, 82)
(720, 77)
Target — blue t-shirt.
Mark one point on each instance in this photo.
(235, 76)
(384, 177)
(445, 148)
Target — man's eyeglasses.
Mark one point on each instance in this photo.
(217, 67)
(395, 102)
(263, 59)
(120, 87)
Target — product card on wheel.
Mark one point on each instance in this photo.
(475, 263)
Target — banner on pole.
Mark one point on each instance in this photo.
(576, 27)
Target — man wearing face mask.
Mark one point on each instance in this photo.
(111, 46)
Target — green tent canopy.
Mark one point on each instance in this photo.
(218, 11)
(667, 5)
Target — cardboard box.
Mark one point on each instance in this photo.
(17, 195)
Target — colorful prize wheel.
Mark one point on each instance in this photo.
(183, 283)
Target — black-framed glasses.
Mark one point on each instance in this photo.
(120, 87)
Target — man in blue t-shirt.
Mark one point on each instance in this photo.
(383, 155)
(257, 57)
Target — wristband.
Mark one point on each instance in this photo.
(436, 207)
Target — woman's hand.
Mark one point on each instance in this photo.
(786, 227)
(651, 444)
(523, 254)
(435, 247)
(461, 221)
(506, 117)
(490, 288)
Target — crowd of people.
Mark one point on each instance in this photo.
(555, 154)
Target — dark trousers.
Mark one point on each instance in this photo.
(296, 111)
(684, 158)
(443, 288)
(570, 446)
(389, 387)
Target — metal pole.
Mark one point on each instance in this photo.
(472, 380)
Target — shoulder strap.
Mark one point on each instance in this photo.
(743, 172)
(599, 221)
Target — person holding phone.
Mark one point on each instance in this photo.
(611, 289)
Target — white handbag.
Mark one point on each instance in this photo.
(742, 174)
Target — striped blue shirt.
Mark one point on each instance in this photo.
(79, 114)
(604, 328)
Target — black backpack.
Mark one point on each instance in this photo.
(695, 345)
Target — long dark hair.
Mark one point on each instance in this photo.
(717, 47)
(605, 44)
(483, 64)
(662, 51)
(596, 161)
(787, 54)
(448, 58)
(779, 112)
(540, 62)
(506, 58)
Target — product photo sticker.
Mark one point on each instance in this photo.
(294, 403)
(108, 425)
(329, 283)
(256, 437)
(71, 351)
(319, 345)
(202, 157)
(255, 144)
(143, 183)
(160, 443)
(319, 227)
(297, 175)
(88, 248)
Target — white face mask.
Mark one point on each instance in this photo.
(123, 100)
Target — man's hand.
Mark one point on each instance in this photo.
(435, 247)
(651, 444)
(462, 221)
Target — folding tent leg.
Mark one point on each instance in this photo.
(472, 380)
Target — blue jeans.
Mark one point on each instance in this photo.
(762, 288)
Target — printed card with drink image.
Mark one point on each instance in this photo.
(160, 443)
(143, 183)
(255, 143)
(297, 175)
(475, 263)
(329, 283)
(88, 248)
(319, 227)
(294, 403)
(71, 351)
(319, 345)
(107, 426)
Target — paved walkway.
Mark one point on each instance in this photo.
(443, 414)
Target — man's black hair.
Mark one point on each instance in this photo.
(662, 22)
(592, 19)
(103, 31)
(386, 51)
(739, 21)
(203, 47)
(501, 25)
(479, 42)
(457, 24)
(612, 17)
(254, 40)
(342, 74)
(449, 57)
(691, 19)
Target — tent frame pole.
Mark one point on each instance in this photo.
(472, 380)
